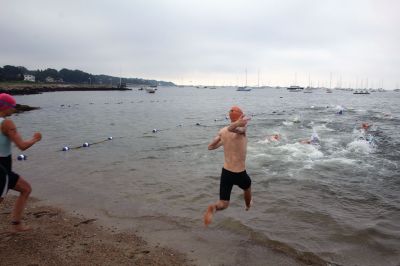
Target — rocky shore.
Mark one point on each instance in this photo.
(36, 88)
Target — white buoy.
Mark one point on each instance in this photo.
(21, 157)
(85, 144)
(155, 130)
(66, 148)
(110, 138)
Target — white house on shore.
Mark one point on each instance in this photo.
(29, 78)
(50, 80)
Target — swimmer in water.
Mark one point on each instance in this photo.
(234, 141)
(314, 140)
(8, 178)
(365, 126)
(274, 137)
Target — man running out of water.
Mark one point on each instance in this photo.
(234, 140)
(9, 179)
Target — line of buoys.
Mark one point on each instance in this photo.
(85, 144)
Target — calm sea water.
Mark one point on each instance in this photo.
(339, 201)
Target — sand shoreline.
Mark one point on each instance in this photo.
(62, 237)
(59, 238)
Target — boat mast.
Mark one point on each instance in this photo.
(246, 77)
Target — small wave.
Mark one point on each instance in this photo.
(339, 161)
(265, 141)
(360, 146)
(301, 151)
(263, 240)
(287, 123)
(322, 127)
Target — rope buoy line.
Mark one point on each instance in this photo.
(23, 157)
(155, 130)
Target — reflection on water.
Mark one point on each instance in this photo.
(338, 200)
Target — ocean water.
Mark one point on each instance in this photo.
(337, 202)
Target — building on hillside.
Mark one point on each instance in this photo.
(29, 78)
(50, 80)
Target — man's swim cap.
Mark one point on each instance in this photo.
(7, 102)
(235, 113)
(365, 125)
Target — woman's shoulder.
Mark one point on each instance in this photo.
(6, 122)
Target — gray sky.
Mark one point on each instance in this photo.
(209, 41)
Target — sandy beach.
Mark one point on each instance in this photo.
(61, 239)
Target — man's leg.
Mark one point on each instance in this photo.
(25, 189)
(218, 206)
(247, 198)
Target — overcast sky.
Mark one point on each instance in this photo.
(209, 41)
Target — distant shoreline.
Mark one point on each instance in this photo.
(26, 89)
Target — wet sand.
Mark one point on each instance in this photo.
(58, 238)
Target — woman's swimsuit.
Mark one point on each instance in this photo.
(8, 179)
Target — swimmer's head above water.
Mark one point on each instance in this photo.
(365, 126)
(235, 113)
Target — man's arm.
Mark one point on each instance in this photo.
(239, 126)
(215, 143)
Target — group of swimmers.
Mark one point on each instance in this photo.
(314, 139)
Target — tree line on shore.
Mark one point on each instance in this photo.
(10, 73)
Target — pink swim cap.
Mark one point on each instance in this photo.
(7, 102)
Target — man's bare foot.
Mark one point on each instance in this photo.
(251, 204)
(208, 215)
(17, 227)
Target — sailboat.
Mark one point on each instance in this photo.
(245, 88)
(308, 89)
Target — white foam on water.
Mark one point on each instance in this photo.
(265, 141)
(322, 127)
(339, 108)
(287, 123)
(296, 119)
(339, 161)
(360, 146)
(301, 152)
(361, 110)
